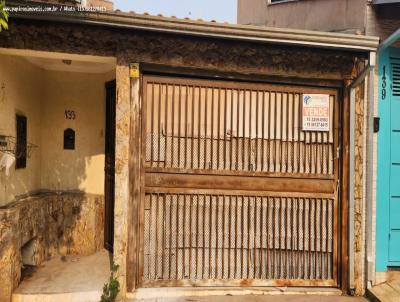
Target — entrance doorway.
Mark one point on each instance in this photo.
(109, 170)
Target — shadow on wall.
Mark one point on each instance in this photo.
(55, 169)
(60, 220)
(66, 174)
(73, 101)
(53, 101)
(20, 92)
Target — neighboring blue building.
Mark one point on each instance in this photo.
(388, 177)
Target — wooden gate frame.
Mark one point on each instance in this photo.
(137, 159)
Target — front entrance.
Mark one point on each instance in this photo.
(388, 201)
(234, 192)
(109, 170)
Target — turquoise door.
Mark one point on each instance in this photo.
(388, 202)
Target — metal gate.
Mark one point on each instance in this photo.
(235, 193)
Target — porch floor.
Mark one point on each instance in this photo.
(70, 278)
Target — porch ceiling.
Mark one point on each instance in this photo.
(69, 65)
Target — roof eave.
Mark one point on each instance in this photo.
(215, 30)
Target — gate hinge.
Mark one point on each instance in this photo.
(338, 153)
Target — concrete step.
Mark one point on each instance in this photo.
(385, 292)
(233, 294)
(257, 298)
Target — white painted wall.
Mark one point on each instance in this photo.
(20, 92)
(43, 96)
(82, 168)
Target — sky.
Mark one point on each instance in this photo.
(219, 10)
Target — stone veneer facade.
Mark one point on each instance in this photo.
(36, 228)
(359, 200)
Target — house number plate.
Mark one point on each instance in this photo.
(70, 114)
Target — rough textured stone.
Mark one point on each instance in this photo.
(39, 227)
(359, 233)
(179, 50)
(122, 173)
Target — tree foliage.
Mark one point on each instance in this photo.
(3, 16)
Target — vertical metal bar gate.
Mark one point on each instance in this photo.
(235, 193)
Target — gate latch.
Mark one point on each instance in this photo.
(376, 124)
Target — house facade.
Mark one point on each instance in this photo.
(378, 18)
(192, 150)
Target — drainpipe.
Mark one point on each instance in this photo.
(389, 40)
(369, 192)
(368, 70)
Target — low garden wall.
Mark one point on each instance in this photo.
(39, 227)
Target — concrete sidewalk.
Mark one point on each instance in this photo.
(259, 298)
(386, 292)
(235, 294)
